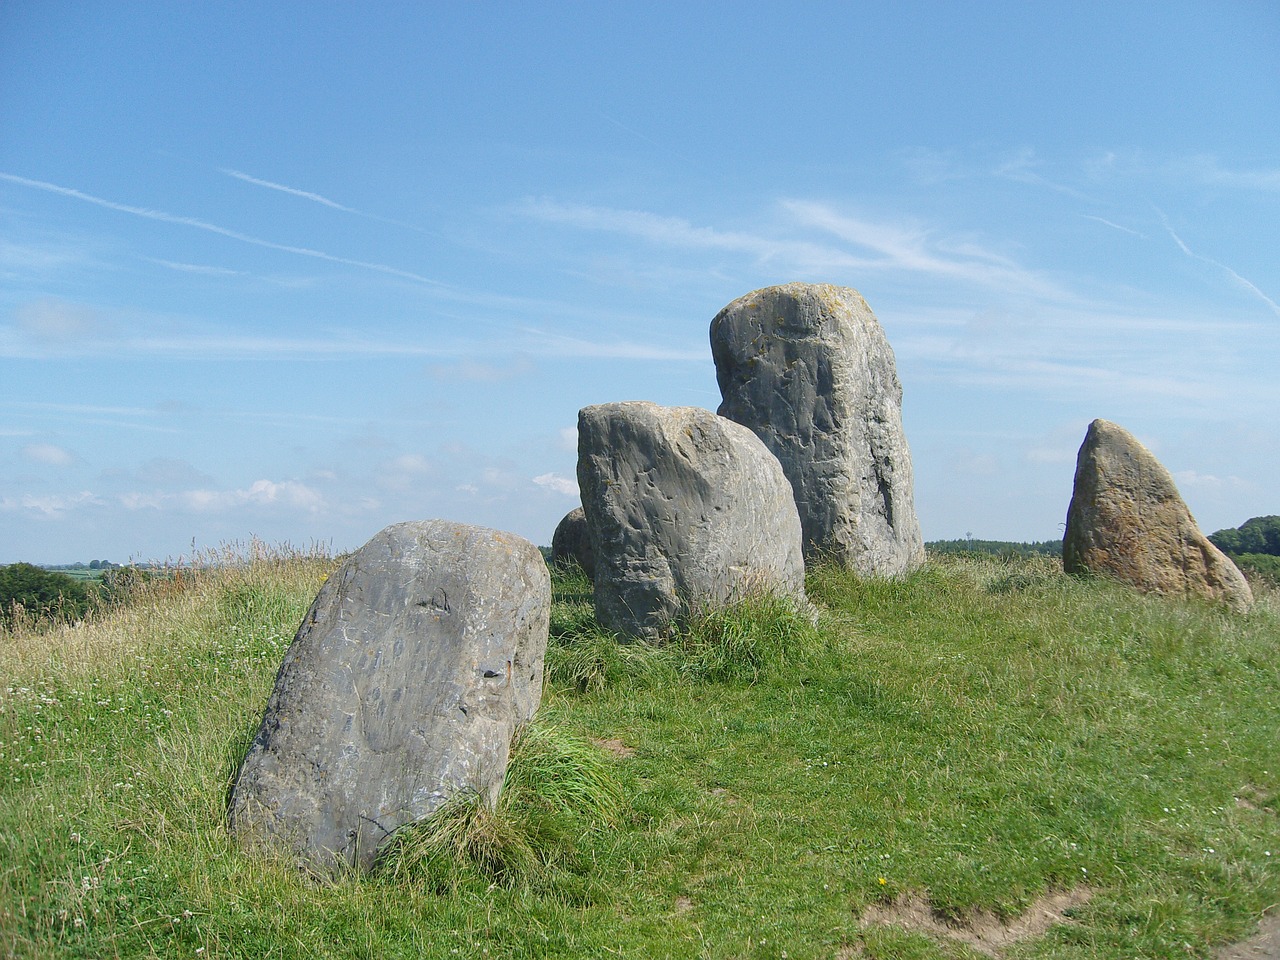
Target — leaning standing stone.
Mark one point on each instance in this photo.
(403, 686)
(808, 369)
(683, 508)
(1127, 521)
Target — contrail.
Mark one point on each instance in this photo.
(1115, 226)
(317, 198)
(164, 217)
(306, 195)
(1241, 281)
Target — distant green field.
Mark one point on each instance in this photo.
(78, 572)
(941, 751)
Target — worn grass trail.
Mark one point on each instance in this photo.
(975, 735)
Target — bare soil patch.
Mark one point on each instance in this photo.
(981, 930)
(1264, 945)
(616, 747)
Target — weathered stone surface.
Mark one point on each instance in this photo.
(683, 508)
(808, 369)
(1127, 521)
(403, 686)
(571, 542)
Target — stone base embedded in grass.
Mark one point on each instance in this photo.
(403, 687)
(684, 509)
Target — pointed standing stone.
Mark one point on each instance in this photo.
(1127, 521)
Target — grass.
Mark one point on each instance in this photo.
(981, 732)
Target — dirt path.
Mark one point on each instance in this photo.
(988, 935)
(1265, 945)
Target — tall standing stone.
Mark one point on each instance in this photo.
(403, 686)
(1128, 522)
(808, 369)
(683, 508)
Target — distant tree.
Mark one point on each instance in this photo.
(41, 593)
(999, 548)
(1259, 535)
(95, 564)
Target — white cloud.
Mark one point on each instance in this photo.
(558, 484)
(405, 472)
(50, 506)
(287, 493)
(48, 454)
(569, 438)
(55, 320)
(1193, 480)
(478, 371)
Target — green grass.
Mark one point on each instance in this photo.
(981, 732)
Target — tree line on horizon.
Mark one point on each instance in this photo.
(40, 593)
(1254, 546)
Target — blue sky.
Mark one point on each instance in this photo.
(298, 271)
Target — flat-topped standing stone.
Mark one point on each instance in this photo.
(1127, 521)
(403, 686)
(571, 542)
(683, 508)
(808, 369)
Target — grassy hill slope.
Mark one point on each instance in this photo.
(959, 743)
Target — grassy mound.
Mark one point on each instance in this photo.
(972, 737)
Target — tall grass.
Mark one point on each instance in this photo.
(975, 734)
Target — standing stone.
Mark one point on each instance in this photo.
(808, 369)
(683, 508)
(1127, 521)
(571, 543)
(403, 686)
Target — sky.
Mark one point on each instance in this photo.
(298, 271)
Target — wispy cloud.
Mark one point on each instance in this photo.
(1235, 277)
(1208, 170)
(865, 246)
(679, 232)
(1021, 168)
(195, 268)
(197, 224)
(563, 346)
(131, 418)
(918, 250)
